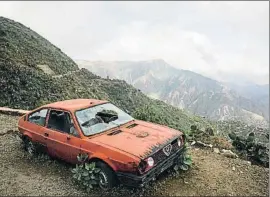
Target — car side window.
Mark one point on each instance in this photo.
(61, 121)
(38, 117)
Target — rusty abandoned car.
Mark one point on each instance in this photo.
(129, 151)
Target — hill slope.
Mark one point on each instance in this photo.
(182, 88)
(21, 45)
(34, 72)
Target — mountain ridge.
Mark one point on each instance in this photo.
(181, 88)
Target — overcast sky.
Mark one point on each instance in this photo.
(223, 40)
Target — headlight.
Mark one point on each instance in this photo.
(179, 142)
(150, 161)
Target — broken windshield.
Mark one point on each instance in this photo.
(100, 118)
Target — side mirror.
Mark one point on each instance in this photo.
(73, 131)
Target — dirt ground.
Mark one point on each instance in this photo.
(211, 174)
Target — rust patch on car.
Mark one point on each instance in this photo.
(142, 134)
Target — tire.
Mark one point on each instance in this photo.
(29, 146)
(107, 178)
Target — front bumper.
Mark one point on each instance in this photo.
(139, 181)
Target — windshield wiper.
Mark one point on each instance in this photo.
(118, 125)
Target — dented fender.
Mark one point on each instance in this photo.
(103, 158)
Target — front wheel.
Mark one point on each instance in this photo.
(107, 178)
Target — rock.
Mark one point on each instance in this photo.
(233, 168)
(229, 153)
(216, 150)
(201, 144)
(247, 163)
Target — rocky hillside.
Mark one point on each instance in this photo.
(183, 89)
(34, 72)
(22, 46)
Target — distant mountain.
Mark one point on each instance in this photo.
(183, 89)
(254, 92)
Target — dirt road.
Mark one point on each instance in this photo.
(211, 174)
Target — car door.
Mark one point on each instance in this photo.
(60, 142)
(35, 123)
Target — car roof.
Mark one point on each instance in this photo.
(75, 104)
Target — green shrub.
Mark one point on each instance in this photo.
(86, 174)
(250, 149)
(185, 160)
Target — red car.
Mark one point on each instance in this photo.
(131, 151)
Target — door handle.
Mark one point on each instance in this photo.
(46, 134)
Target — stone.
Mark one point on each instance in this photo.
(247, 163)
(201, 144)
(233, 168)
(216, 150)
(229, 153)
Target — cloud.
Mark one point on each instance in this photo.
(228, 41)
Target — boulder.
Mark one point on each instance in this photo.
(201, 144)
(247, 163)
(229, 153)
(216, 150)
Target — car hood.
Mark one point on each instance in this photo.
(138, 138)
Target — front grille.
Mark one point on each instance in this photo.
(160, 155)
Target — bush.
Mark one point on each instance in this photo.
(220, 142)
(86, 174)
(250, 149)
(185, 160)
